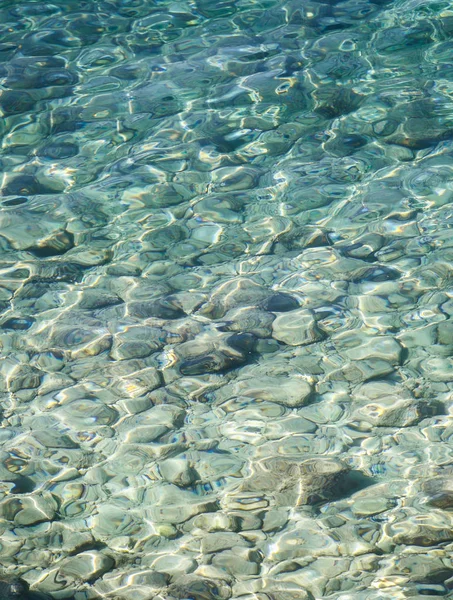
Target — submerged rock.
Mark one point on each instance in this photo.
(280, 302)
(18, 589)
(212, 354)
(439, 492)
(296, 328)
(250, 320)
(199, 588)
(29, 510)
(87, 566)
(293, 392)
(15, 588)
(295, 482)
(238, 292)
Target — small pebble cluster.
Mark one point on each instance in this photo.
(226, 270)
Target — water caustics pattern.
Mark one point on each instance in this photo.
(226, 261)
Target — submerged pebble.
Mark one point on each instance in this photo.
(18, 589)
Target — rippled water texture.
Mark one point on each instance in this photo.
(226, 296)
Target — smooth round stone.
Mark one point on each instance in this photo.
(169, 504)
(300, 482)
(18, 323)
(86, 412)
(218, 521)
(97, 299)
(153, 422)
(296, 328)
(54, 439)
(212, 355)
(249, 319)
(24, 377)
(230, 179)
(178, 471)
(50, 361)
(139, 383)
(236, 292)
(137, 342)
(59, 150)
(145, 434)
(23, 396)
(249, 408)
(419, 337)
(367, 507)
(279, 590)
(416, 567)
(385, 127)
(90, 258)
(13, 475)
(362, 370)
(114, 521)
(191, 586)
(74, 541)
(245, 501)
(29, 510)
(121, 544)
(167, 530)
(14, 588)
(385, 348)
(10, 546)
(219, 209)
(277, 429)
(215, 542)
(280, 302)
(267, 346)
(400, 153)
(296, 444)
(128, 459)
(445, 333)
(291, 392)
(134, 406)
(334, 101)
(390, 412)
(15, 201)
(238, 562)
(132, 584)
(26, 185)
(305, 539)
(86, 566)
(81, 341)
(97, 475)
(13, 102)
(362, 246)
(174, 565)
(248, 520)
(242, 342)
(344, 144)
(437, 369)
(430, 530)
(123, 270)
(275, 519)
(54, 381)
(439, 492)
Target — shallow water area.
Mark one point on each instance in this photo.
(226, 267)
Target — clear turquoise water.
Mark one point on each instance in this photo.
(226, 261)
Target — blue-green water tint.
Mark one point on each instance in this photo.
(226, 291)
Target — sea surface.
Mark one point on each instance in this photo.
(226, 295)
